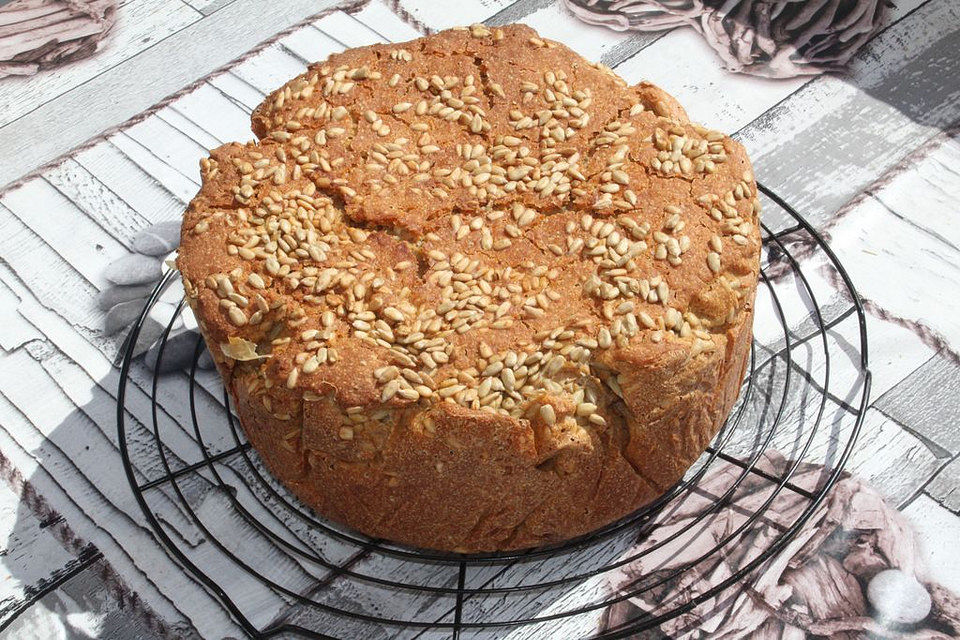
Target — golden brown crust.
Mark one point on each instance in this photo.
(473, 292)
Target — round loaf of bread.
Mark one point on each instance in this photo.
(473, 292)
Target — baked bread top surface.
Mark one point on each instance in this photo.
(478, 222)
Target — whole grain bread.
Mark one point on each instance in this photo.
(473, 292)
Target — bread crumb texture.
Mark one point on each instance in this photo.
(473, 292)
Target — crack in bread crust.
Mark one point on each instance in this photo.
(442, 283)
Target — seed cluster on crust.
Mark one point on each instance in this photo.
(440, 222)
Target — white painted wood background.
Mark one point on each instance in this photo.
(870, 158)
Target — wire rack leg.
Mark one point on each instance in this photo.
(458, 613)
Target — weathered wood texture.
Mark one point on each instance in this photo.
(823, 143)
(141, 24)
(166, 41)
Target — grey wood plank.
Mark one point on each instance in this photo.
(945, 487)
(64, 435)
(224, 528)
(57, 419)
(30, 554)
(21, 249)
(100, 413)
(311, 44)
(96, 200)
(888, 444)
(934, 419)
(206, 7)
(47, 482)
(84, 604)
(348, 30)
(380, 16)
(80, 358)
(269, 69)
(401, 604)
(140, 191)
(84, 244)
(140, 24)
(543, 602)
(517, 11)
(83, 341)
(827, 142)
(180, 184)
(892, 459)
(214, 112)
(97, 407)
(895, 350)
(187, 127)
(169, 145)
(898, 265)
(119, 93)
(83, 524)
(16, 330)
(238, 90)
(465, 12)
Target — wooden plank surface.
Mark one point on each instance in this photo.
(30, 554)
(52, 331)
(902, 243)
(935, 421)
(118, 93)
(855, 121)
(140, 25)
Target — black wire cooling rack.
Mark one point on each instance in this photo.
(282, 571)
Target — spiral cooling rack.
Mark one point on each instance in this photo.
(282, 571)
